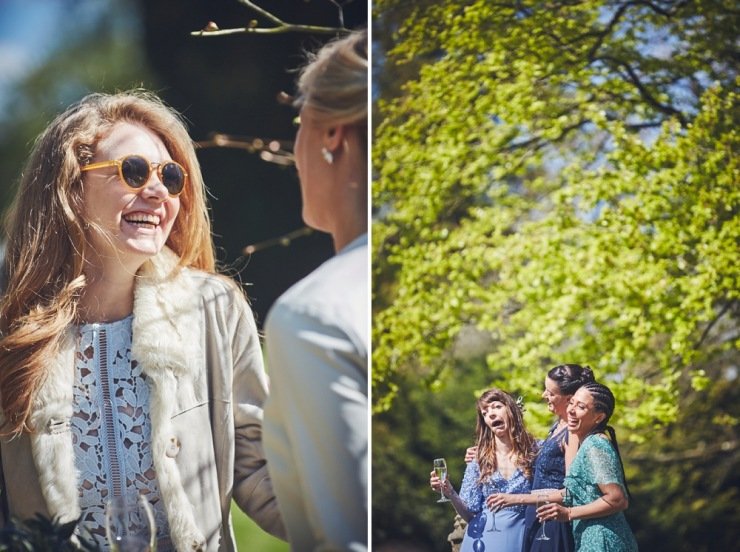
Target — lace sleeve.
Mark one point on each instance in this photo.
(471, 492)
(603, 462)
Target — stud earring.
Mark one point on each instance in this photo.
(328, 156)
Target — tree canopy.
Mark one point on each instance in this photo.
(557, 182)
(560, 177)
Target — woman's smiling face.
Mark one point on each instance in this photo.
(582, 414)
(128, 225)
(557, 403)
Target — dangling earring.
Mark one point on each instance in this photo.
(328, 156)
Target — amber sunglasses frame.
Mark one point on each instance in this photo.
(119, 164)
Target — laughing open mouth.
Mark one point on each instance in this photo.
(143, 220)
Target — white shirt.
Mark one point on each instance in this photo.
(316, 416)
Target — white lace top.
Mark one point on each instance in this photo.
(111, 427)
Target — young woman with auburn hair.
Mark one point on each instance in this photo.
(126, 364)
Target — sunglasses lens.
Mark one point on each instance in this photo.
(135, 171)
(173, 177)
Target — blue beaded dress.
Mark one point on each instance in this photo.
(509, 521)
(597, 464)
(549, 473)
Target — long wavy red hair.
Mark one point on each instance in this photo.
(47, 244)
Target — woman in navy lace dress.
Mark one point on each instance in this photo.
(503, 464)
(561, 383)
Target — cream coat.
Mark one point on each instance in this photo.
(196, 338)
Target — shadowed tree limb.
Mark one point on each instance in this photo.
(632, 77)
(211, 29)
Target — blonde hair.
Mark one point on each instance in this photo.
(47, 247)
(334, 82)
(523, 443)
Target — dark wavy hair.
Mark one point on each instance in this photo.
(569, 377)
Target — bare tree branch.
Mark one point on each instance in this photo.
(270, 150)
(280, 26)
(632, 77)
(666, 12)
(716, 319)
(284, 240)
(607, 31)
(538, 142)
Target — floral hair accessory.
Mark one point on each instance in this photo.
(520, 403)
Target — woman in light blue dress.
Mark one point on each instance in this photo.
(503, 464)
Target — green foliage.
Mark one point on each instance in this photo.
(249, 535)
(559, 179)
(550, 179)
(40, 534)
(685, 483)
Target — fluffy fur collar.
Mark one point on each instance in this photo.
(167, 342)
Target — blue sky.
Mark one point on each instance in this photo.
(31, 30)
(27, 37)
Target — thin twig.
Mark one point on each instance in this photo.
(340, 12)
(270, 150)
(711, 324)
(632, 77)
(607, 31)
(284, 240)
(211, 29)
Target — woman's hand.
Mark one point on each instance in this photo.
(435, 483)
(497, 501)
(470, 454)
(553, 512)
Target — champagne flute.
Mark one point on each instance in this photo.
(440, 469)
(544, 495)
(129, 524)
(493, 528)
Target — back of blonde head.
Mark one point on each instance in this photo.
(47, 244)
(334, 82)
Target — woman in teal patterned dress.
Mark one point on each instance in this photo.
(595, 488)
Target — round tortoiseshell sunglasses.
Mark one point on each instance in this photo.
(135, 170)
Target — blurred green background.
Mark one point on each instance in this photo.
(249, 536)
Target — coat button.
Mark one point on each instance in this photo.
(173, 447)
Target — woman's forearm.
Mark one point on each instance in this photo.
(612, 501)
(505, 500)
(601, 507)
(526, 499)
(460, 506)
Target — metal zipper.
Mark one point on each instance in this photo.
(115, 484)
